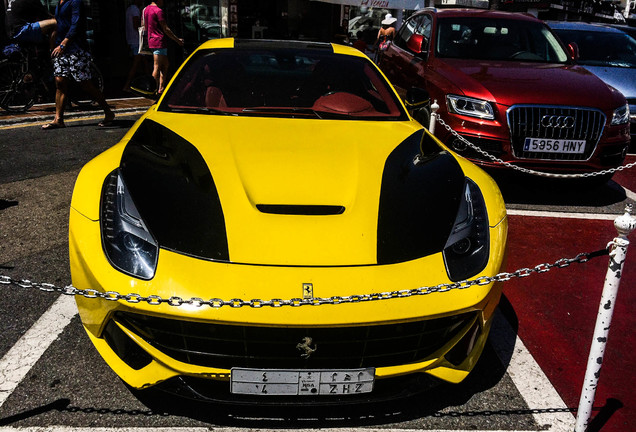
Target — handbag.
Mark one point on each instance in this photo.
(143, 38)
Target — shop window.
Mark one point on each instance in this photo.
(204, 19)
(365, 22)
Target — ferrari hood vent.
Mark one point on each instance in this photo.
(302, 210)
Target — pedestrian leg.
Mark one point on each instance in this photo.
(61, 96)
(98, 96)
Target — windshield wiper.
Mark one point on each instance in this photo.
(282, 111)
(202, 110)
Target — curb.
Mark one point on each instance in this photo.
(36, 115)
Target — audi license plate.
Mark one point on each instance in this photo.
(546, 145)
(285, 382)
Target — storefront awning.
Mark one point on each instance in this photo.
(384, 4)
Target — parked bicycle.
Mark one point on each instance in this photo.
(26, 77)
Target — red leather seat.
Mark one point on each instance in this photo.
(344, 103)
(214, 98)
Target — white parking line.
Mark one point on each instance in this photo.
(631, 195)
(533, 385)
(223, 429)
(27, 351)
(561, 215)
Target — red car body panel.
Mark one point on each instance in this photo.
(506, 83)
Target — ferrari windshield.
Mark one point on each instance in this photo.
(282, 83)
(498, 39)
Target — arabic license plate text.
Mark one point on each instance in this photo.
(285, 382)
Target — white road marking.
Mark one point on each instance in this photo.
(631, 195)
(561, 215)
(27, 351)
(533, 385)
(222, 429)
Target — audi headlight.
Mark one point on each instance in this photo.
(621, 115)
(128, 244)
(470, 107)
(467, 248)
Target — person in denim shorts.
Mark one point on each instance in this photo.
(158, 33)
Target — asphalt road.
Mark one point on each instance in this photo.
(66, 385)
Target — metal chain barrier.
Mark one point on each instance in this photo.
(296, 302)
(526, 170)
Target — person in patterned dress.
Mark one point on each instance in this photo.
(71, 60)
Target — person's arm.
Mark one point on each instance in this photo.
(169, 33)
(70, 35)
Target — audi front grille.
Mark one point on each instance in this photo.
(226, 346)
(554, 122)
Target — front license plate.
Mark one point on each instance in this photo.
(286, 382)
(545, 145)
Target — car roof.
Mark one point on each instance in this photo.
(267, 44)
(482, 13)
(582, 26)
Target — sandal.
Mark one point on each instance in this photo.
(53, 126)
(106, 123)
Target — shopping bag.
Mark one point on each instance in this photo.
(143, 42)
(143, 37)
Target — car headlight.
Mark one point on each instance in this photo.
(128, 244)
(467, 248)
(470, 107)
(621, 115)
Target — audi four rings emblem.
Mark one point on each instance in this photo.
(557, 121)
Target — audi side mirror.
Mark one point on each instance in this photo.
(418, 45)
(573, 50)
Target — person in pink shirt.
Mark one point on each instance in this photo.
(158, 33)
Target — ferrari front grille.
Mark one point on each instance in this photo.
(554, 123)
(226, 346)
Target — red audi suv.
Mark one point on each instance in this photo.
(508, 85)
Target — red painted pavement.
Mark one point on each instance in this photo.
(557, 310)
(627, 178)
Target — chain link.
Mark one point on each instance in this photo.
(527, 170)
(236, 303)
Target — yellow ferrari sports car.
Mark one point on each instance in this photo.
(276, 226)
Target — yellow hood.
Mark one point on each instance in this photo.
(295, 162)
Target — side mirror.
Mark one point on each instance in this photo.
(418, 44)
(573, 50)
(144, 86)
(416, 97)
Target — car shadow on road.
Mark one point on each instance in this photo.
(433, 403)
(525, 189)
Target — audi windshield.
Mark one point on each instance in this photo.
(498, 39)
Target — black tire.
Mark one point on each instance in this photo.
(17, 88)
(79, 97)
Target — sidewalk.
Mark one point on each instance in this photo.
(46, 112)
